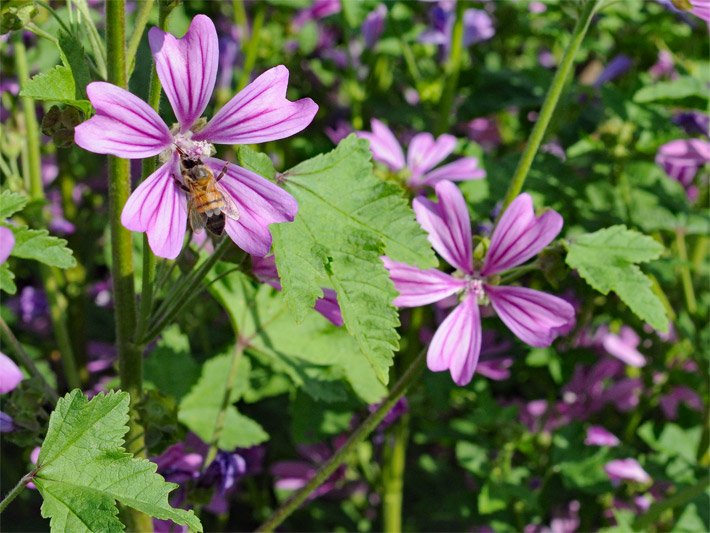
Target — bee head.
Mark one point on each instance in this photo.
(200, 172)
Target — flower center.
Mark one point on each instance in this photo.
(474, 286)
(190, 148)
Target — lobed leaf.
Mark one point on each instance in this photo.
(56, 85)
(11, 203)
(347, 219)
(39, 245)
(83, 469)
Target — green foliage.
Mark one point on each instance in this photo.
(255, 161)
(39, 245)
(7, 279)
(16, 14)
(672, 91)
(199, 409)
(314, 354)
(56, 85)
(170, 367)
(76, 60)
(607, 259)
(83, 469)
(347, 219)
(11, 203)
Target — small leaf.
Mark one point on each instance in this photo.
(83, 469)
(255, 161)
(606, 260)
(7, 279)
(199, 409)
(678, 89)
(39, 245)
(76, 57)
(11, 203)
(55, 85)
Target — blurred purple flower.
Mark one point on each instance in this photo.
(669, 402)
(664, 67)
(554, 148)
(495, 362)
(374, 25)
(50, 169)
(10, 374)
(626, 470)
(319, 9)
(681, 160)
(693, 122)
(546, 58)
(564, 520)
(7, 243)
(534, 317)
(622, 346)
(485, 132)
(6, 423)
(423, 154)
(537, 7)
(57, 223)
(264, 268)
(223, 473)
(478, 27)
(125, 126)
(338, 132)
(398, 409)
(598, 436)
(618, 66)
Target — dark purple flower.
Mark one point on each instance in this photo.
(669, 402)
(616, 67)
(693, 122)
(6, 423)
(374, 25)
(485, 132)
(681, 160)
(478, 27)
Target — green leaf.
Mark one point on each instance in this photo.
(7, 279)
(678, 89)
(76, 59)
(255, 161)
(170, 367)
(199, 409)
(83, 469)
(11, 203)
(314, 354)
(347, 219)
(606, 260)
(672, 439)
(55, 85)
(39, 245)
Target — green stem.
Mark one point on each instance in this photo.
(551, 100)
(18, 488)
(240, 19)
(226, 401)
(119, 188)
(25, 360)
(367, 426)
(394, 463)
(252, 48)
(138, 28)
(452, 70)
(97, 45)
(685, 277)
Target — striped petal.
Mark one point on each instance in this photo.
(418, 287)
(384, 145)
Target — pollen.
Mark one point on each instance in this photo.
(193, 149)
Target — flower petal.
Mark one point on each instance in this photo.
(463, 169)
(418, 287)
(448, 225)
(519, 235)
(425, 153)
(7, 242)
(124, 125)
(457, 343)
(259, 113)
(159, 208)
(535, 317)
(260, 203)
(384, 145)
(628, 469)
(10, 374)
(328, 307)
(187, 67)
(623, 349)
(599, 436)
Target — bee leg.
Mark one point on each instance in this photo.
(180, 184)
(222, 172)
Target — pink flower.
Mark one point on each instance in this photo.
(7, 243)
(598, 436)
(669, 402)
(423, 154)
(626, 469)
(264, 268)
(10, 374)
(125, 126)
(681, 160)
(534, 317)
(623, 346)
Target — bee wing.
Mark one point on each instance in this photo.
(197, 219)
(230, 209)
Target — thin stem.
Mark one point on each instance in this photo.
(94, 37)
(226, 401)
(18, 488)
(367, 426)
(252, 48)
(394, 462)
(240, 19)
(119, 188)
(25, 360)
(551, 100)
(685, 277)
(138, 28)
(452, 69)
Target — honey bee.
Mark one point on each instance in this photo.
(208, 203)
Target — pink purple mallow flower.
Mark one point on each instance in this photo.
(423, 155)
(10, 377)
(7, 243)
(681, 159)
(626, 470)
(599, 436)
(534, 317)
(125, 126)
